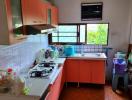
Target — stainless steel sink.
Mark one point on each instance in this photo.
(89, 55)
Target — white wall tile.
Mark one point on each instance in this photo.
(22, 55)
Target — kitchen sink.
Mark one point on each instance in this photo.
(89, 55)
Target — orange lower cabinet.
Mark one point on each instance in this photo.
(62, 78)
(55, 88)
(85, 71)
(48, 97)
(72, 70)
(98, 72)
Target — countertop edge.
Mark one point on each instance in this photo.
(77, 56)
(87, 58)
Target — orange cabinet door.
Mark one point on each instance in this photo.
(48, 96)
(31, 11)
(85, 71)
(34, 9)
(55, 88)
(9, 15)
(54, 16)
(24, 11)
(98, 72)
(28, 11)
(63, 77)
(72, 70)
(43, 12)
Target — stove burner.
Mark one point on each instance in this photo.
(51, 61)
(48, 61)
(44, 69)
(47, 71)
(46, 64)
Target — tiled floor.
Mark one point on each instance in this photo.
(92, 92)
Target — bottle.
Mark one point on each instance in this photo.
(47, 54)
(57, 53)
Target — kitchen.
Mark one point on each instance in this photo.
(30, 33)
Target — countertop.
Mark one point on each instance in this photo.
(90, 56)
(37, 86)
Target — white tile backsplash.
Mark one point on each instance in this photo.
(22, 55)
(88, 48)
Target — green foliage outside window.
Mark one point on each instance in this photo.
(97, 34)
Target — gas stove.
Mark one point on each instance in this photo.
(44, 70)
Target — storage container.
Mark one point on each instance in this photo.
(69, 50)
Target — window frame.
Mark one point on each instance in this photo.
(78, 35)
(66, 36)
(107, 34)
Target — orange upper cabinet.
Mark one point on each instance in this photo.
(11, 18)
(25, 11)
(33, 12)
(98, 72)
(72, 70)
(85, 71)
(54, 16)
(38, 12)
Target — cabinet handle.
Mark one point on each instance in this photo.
(34, 21)
(37, 21)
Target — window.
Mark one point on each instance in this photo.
(65, 34)
(80, 33)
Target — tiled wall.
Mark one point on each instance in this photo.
(88, 48)
(22, 55)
